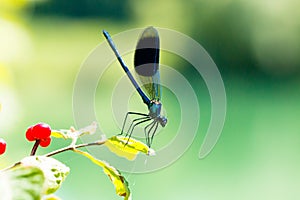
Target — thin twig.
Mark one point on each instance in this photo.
(10, 167)
(68, 148)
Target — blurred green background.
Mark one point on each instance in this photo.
(255, 45)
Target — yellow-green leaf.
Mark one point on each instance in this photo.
(54, 171)
(116, 178)
(127, 148)
(59, 134)
(21, 182)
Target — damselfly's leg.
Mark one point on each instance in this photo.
(153, 133)
(147, 132)
(130, 113)
(134, 125)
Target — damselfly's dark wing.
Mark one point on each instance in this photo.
(146, 62)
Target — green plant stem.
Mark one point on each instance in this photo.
(68, 148)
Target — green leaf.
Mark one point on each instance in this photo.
(21, 182)
(127, 148)
(117, 179)
(54, 171)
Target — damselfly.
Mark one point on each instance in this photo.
(146, 65)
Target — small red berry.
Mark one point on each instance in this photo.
(45, 142)
(29, 134)
(2, 146)
(41, 131)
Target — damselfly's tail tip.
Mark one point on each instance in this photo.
(105, 33)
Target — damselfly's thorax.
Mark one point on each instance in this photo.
(154, 112)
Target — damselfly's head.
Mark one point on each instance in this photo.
(163, 121)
